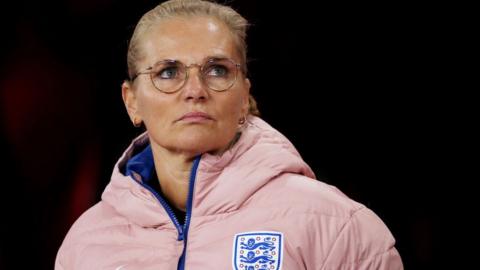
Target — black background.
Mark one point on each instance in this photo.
(354, 87)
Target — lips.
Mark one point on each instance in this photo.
(195, 117)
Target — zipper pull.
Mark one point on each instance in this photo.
(180, 233)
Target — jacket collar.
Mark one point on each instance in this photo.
(224, 183)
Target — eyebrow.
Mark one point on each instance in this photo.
(205, 59)
(217, 56)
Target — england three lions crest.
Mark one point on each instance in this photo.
(258, 251)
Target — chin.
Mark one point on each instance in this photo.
(198, 149)
(201, 144)
(195, 140)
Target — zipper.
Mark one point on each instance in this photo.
(186, 225)
(167, 207)
(182, 230)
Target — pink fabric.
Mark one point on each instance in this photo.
(260, 184)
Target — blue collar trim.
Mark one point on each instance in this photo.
(141, 164)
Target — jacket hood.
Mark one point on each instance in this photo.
(223, 183)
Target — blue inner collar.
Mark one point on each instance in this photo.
(142, 164)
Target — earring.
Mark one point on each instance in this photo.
(136, 122)
(242, 120)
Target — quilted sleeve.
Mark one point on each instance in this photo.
(364, 242)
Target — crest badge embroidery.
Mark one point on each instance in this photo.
(258, 251)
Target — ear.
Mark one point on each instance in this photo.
(130, 101)
(246, 98)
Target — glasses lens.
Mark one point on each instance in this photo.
(219, 74)
(168, 76)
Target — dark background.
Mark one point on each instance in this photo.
(354, 87)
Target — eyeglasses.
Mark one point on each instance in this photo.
(169, 76)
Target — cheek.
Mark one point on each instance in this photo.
(230, 112)
(153, 110)
(233, 105)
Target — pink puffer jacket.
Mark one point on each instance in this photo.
(255, 207)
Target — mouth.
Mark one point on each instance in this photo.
(195, 117)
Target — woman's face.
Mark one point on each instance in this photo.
(194, 119)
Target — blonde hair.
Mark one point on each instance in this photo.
(185, 8)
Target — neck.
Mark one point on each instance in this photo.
(173, 170)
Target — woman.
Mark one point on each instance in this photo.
(210, 185)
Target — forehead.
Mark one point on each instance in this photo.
(188, 39)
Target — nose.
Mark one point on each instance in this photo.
(194, 88)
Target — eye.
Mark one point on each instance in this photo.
(167, 73)
(217, 70)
